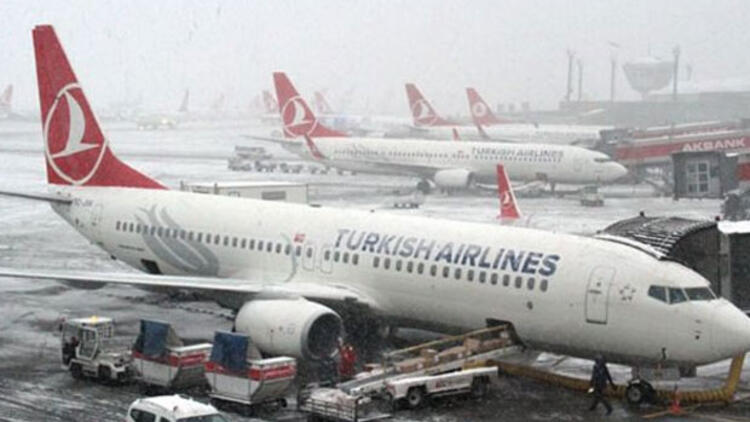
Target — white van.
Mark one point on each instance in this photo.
(172, 409)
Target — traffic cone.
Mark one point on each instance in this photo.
(674, 407)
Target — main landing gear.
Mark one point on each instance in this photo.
(639, 391)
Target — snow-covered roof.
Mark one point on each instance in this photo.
(655, 235)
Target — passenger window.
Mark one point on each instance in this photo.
(376, 262)
(251, 245)
(226, 240)
(117, 226)
(482, 276)
(309, 252)
(446, 271)
(387, 263)
(336, 256)
(433, 270)
(217, 239)
(160, 231)
(297, 250)
(345, 258)
(420, 268)
(355, 259)
(190, 235)
(519, 282)
(199, 238)
(470, 275)
(493, 279)
(398, 265)
(182, 234)
(676, 295)
(409, 267)
(530, 283)
(153, 230)
(658, 293)
(457, 274)
(278, 248)
(288, 250)
(243, 244)
(543, 285)
(234, 242)
(506, 280)
(269, 246)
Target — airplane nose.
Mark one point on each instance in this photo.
(731, 331)
(618, 170)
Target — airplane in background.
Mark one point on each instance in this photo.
(168, 120)
(446, 165)
(270, 115)
(489, 126)
(307, 269)
(356, 124)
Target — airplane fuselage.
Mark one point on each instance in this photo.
(523, 162)
(563, 293)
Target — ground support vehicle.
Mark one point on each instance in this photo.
(332, 404)
(415, 391)
(239, 381)
(172, 408)
(89, 350)
(161, 360)
(591, 197)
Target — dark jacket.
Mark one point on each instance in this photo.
(600, 376)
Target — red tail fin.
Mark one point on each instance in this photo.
(321, 104)
(421, 110)
(481, 113)
(508, 208)
(184, 104)
(313, 149)
(7, 96)
(296, 116)
(76, 150)
(270, 103)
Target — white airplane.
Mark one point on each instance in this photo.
(356, 124)
(490, 126)
(447, 165)
(293, 269)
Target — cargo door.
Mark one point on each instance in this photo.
(597, 294)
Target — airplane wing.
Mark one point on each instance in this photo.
(313, 291)
(282, 141)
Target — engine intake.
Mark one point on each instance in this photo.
(293, 327)
(454, 178)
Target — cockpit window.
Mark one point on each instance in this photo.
(676, 295)
(700, 293)
(658, 293)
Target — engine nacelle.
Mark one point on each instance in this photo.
(454, 178)
(291, 327)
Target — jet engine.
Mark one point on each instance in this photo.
(292, 327)
(454, 179)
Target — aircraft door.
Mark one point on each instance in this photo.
(326, 259)
(597, 294)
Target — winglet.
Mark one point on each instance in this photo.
(508, 208)
(481, 113)
(421, 110)
(313, 149)
(76, 150)
(456, 136)
(297, 117)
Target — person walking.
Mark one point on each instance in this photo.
(599, 378)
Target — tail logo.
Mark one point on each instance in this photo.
(69, 154)
(479, 109)
(506, 200)
(297, 120)
(423, 113)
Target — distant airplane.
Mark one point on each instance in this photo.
(422, 112)
(302, 268)
(446, 165)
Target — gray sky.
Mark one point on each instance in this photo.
(511, 51)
